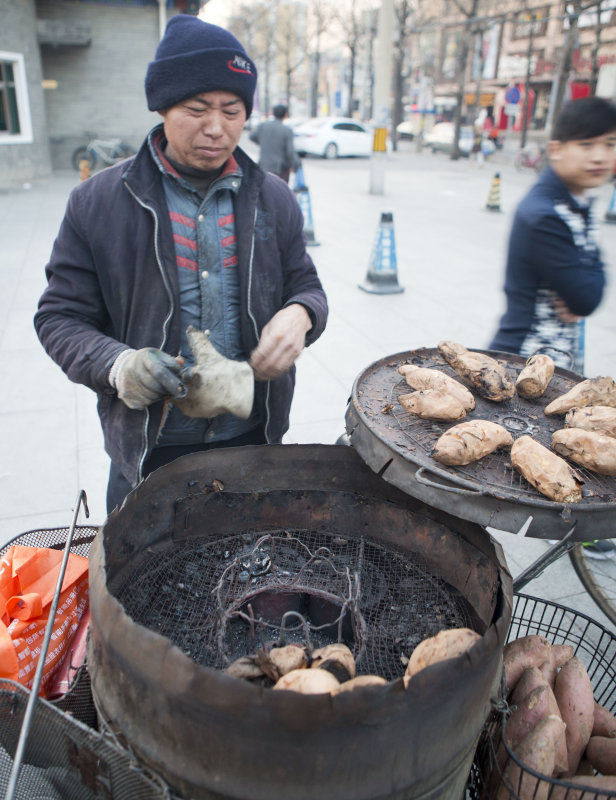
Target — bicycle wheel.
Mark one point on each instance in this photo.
(82, 154)
(519, 162)
(598, 578)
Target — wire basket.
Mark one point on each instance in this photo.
(77, 701)
(66, 760)
(595, 646)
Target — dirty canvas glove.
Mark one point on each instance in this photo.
(141, 377)
(216, 385)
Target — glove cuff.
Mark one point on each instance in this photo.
(113, 373)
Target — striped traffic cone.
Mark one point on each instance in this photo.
(382, 275)
(493, 203)
(303, 198)
(610, 214)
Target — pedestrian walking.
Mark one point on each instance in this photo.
(179, 286)
(275, 139)
(555, 274)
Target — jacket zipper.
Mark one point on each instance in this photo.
(254, 322)
(146, 422)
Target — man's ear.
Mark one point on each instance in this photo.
(554, 150)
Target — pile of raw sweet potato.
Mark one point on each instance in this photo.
(555, 727)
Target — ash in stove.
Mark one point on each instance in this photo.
(220, 599)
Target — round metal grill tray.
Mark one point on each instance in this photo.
(397, 445)
(381, 602)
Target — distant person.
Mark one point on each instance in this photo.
(555, 274)
(275, 139)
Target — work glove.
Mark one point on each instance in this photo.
(143, 376)
(216, 385)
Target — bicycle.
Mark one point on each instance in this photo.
(527, 159)
(108, 151)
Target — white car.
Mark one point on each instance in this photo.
(441, 138)
(333, 137)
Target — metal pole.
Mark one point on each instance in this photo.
(382, 87)
(162, 18)
(36, 682)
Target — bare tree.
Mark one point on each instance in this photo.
(404, 11)
(469, 11)
(603, 20)
(352, 25)
(321, 15)
(290, 44)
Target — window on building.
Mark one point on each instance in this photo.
(15, 122)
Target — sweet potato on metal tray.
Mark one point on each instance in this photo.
(431, 404)
(483, 373)
(426, 378)
(591, 392)
(601, 419)
(534, 378)
(548, 473)
(574, 695)
(470, 441)
(589, 449)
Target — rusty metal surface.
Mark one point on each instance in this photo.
(398, 445)
(212, 736)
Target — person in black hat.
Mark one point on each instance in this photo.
(275, 139)
(179, 286)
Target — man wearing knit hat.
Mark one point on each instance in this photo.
(179, 286)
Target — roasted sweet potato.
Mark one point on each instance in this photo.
(359, 682)
(590, 392)
(470, 441)
(547, 472)
(601, 752)
(481, 372)
(574, 695)
(337, 659)
(537, 751)
(535, 376)
(447, 644)
(427, 378)
(601, 419)
(604, 723)
(589, 449)
(518, 655)
(430, 404)
(308, 681)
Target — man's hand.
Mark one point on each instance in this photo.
(563, 313)
(216, 384)
(282, 341)
(147, 375)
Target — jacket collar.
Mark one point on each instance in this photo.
(560, 193)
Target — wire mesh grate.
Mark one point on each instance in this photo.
(222, 598)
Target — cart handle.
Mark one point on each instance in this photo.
(419, 475)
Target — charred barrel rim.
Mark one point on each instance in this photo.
(201, 710)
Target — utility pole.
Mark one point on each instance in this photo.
(529, 57)
(382, 90)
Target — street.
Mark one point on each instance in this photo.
(450, 261)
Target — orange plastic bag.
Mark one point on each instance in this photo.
(28, 577)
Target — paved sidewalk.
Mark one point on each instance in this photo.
(450, 252)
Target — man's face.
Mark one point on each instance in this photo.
(583, 163)
(204, 130)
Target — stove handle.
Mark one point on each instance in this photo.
(419, 475)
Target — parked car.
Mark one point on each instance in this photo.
(441, 138)
(333, 137)
(406, 130)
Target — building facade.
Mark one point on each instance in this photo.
(71, 69)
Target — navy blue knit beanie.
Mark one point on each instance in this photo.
(194, 57)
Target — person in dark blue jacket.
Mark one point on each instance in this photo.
(554, 275)
(181, 269)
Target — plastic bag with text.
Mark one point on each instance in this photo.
(28, 577)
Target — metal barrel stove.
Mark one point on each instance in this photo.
(175, 576)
